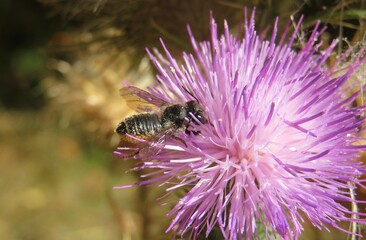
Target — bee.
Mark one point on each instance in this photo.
(151, 129)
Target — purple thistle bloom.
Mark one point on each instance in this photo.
(280, 143)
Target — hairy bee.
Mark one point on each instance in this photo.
(152, 128)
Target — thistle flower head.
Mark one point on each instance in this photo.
(279, 144)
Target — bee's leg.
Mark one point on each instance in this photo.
(134, 155)
(126, 153)
(180, 140)
(131, 147)
(188, 132)
(196, 132)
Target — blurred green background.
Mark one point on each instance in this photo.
(61, 63)
(56, 176)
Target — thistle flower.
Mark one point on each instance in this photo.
(280, 144)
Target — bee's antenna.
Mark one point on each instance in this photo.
(190, 93)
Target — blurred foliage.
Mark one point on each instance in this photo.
(132, 25)
(57, 184)
(62, 63)
(22, 61)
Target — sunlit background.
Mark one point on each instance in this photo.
(61, 65)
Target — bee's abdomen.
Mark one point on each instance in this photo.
(146, 124)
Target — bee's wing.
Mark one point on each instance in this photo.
(141, 100)
(156, 144)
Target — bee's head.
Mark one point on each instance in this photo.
(196, 109)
